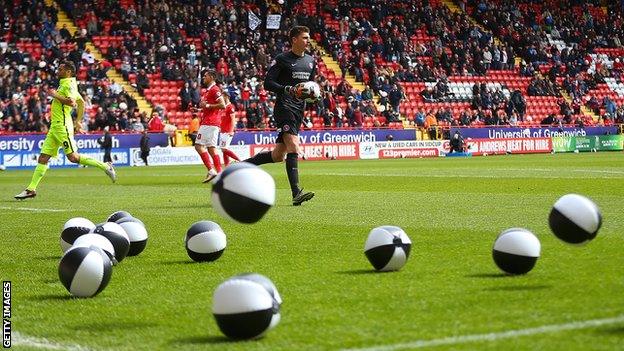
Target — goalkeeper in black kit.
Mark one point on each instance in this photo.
(285, 78)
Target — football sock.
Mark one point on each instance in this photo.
(293, 172)
(39, 172)
(206, 159)
(217, 162)
(88, 161)
(226, 160)
(261, 158)
(231, 154)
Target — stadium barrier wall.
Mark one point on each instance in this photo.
(404, 149)
(588, 144)
(327, 136)
(532, 132)
(125, 156)
(22, 150)
(169, 156)
(478, 147)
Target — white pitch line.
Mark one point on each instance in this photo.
(42, 343)
(454, 340)
(32, 209)
(454, 175)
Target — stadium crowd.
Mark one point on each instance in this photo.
(564, 40)
(427, 42)
(27, 76)
(385, 44)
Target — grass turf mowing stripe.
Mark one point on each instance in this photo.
(42, 343)
(32, 209)
(454, 340)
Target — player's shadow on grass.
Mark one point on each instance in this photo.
(518, 288)
(208, 339)
(359, 271)
(488, 275)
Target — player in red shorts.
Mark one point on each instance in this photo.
(228, 120)
(208, 133)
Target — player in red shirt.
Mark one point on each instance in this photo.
(208, 133)
(228, 120)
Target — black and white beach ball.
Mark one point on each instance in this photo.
(117, 236)
(205, 241)
(246, 306)
(516, 251)
(243, 192)
(85, 271)
(117, 215)
(387, 248)
(72, 229)
(97, 240)
(575, 219)
(137, 234)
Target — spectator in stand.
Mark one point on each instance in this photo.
(395, 96)
(135, 124)
(368, 110)
(253, 117)
(142, 81)
(240, 124)
(465, 118)
(609, 106)
(185, 96)
(431, 125)
(513, 119)
(195, 94)
(419, 118)
(194, 127)
(427, 95)
(245, 95)
(263, 96)
(357, 116)
(367, 94)
(156, 124)
(338, 117)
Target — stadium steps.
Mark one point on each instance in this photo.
(454, 8)
(584, 110)
(112, 74)
(335, 67)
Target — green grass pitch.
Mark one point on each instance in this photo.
(452, 209)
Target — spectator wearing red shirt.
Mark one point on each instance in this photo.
(263, 96)
(357, 116)
(222, 67)
(245, 95)
(228, 120)
(208, 134)
(155, 124)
